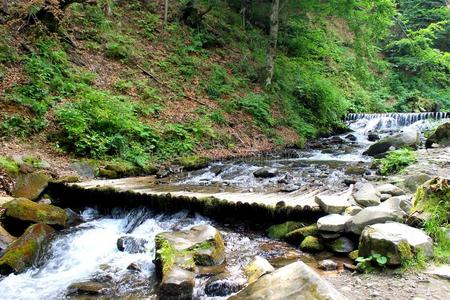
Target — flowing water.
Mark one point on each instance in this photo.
(89, 252)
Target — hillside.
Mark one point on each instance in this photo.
(110, 80)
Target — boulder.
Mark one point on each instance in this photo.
(413, 181)
(441, 136)
(258, 267)
(442, 271)
(384, 197)
(333, 223)
(406, 138)
(342, 245)
(430, 194)
(22, 252)
(311, 244)
(299, 234)
(131, 244)
(88, 287)
(295, 281)
(179, 252)
(333, 204)
(265, 172)
(394, 240)
(365, 194)
(375, 214)
(289, 188)
(5, 238)
(30, 185)
(372, 137)
(279, 231)
(390, 189)
(351, 137)
(21, 212)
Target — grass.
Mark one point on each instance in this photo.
(9, 165)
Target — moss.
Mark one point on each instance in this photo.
(296, 236)
(192, 162)
(209, 253)
(311, 243)
(104, 173)
(354, 254)
(9, 166)
(281, 230)
(26, 210)
(404, 251)
(165, 254)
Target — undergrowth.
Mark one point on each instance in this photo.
(396, 160)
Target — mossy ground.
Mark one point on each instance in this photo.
(280, 231)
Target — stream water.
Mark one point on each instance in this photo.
(89, 252)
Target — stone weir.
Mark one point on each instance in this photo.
(140, 191)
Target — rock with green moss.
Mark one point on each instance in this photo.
(280, 231)
(258, 267)
(354, 254)
(432, 193)
(5, 238)
(21, 254)
(311, 244)
(398, 242)
(31, 185)
(9, 165)
(342, 245)
(22, 211)
(298, 235)
(178, 253)
(440, 137)
(294, 281)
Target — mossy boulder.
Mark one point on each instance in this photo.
(21, 212)
(21, 254)
(298, 235)
(280, 231)
(353, 255)
(178, 253)
(342, 245)
(311, 244)
(31, 185)
(5, 238)
(432, 193)
(258, 267)
(440, 137)
(398, 242)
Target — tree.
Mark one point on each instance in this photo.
(273, 39)
(5, 6)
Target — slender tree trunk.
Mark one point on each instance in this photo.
(5, 6)
(244, 9)
(273, 39)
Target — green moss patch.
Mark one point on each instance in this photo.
(281, 230)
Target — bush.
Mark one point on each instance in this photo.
(20, 126)
(100, 124)
(258, 106)
(396, 161)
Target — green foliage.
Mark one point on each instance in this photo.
(259, 107)
(99, 124)
(120, 47)
(368, 264)
(396, 160)
(21, 126)
(9, 165)
(148, 25)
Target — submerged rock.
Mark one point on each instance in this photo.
(179, 252)
(131, 244)
(221, 285)
(30, 185)
(279, 231)
(406, 138)
(394, 240)
(294, 281)
(365, 194)
(333, 223)
(88, 287)
(265, 172)
(440, 137)
(22, 211)
(258, 267)
(21, 254)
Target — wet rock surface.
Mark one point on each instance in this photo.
(31, 185)
(131, 244)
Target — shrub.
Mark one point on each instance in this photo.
(396, 161)
(258, 106)
(20, 126)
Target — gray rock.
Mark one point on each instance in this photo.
(84, 169)
(351, 137)
(352, 210)
(329, 235)
(365, 194)
(333, 223)
(88, 287)
(442, 271)
(289, 188)
(333, 204)
(373, 215)
(221, 285)
(30, 185)
(178, 284)
(295, 281)
(384, 197)
(327, 265)
(394, 240)
(258, 267)
(342, 245)
(406, 138)
(413, 181)
(390, 189)
(372, 137)
(5, 238)
(398, 203)
(265, 172)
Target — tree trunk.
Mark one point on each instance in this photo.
(5, 6)
(166, 12)
(273, 39)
